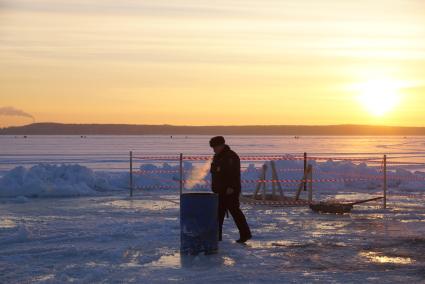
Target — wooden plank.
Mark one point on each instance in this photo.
(304, 183)
(259, 184)
(264, 183)
(276, 177)
(365, 201)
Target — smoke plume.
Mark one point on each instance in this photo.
(11, 111)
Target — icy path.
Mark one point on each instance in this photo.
(114, 239)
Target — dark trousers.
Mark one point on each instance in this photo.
(231, 204)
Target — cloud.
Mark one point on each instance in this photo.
(11, 111)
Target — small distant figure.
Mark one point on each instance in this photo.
(25, 137)
(171, 137)
(226, 182)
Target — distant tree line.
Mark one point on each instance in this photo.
(128, 129)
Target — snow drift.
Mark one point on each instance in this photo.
(48, 180)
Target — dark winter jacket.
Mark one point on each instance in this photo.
(226, 172)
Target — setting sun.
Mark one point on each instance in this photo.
(379, 96)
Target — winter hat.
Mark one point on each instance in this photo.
(217, 141)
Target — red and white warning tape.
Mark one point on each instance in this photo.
(151, 172)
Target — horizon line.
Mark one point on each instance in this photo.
(226, 125)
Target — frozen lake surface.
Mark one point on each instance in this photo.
(111, 152)
(115, 239)
(148, 144)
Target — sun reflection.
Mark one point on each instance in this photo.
(169, 261)
(147, 204)
(228, 261)
(43, 278)
(378, 258)
(7, 224)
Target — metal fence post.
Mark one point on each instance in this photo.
(305, 169)
(131, 174)
(181, 174)
(385, 182)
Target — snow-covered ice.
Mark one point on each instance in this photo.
(103, 235)
(118, 239)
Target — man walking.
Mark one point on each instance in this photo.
(226, 182)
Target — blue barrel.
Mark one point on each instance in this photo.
(199, 223)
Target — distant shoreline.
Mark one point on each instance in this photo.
(287, 130)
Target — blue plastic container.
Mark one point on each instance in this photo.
(199, 223)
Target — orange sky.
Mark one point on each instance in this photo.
(221, 62)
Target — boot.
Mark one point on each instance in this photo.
(244, 239)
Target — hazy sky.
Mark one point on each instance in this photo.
(206, 62)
